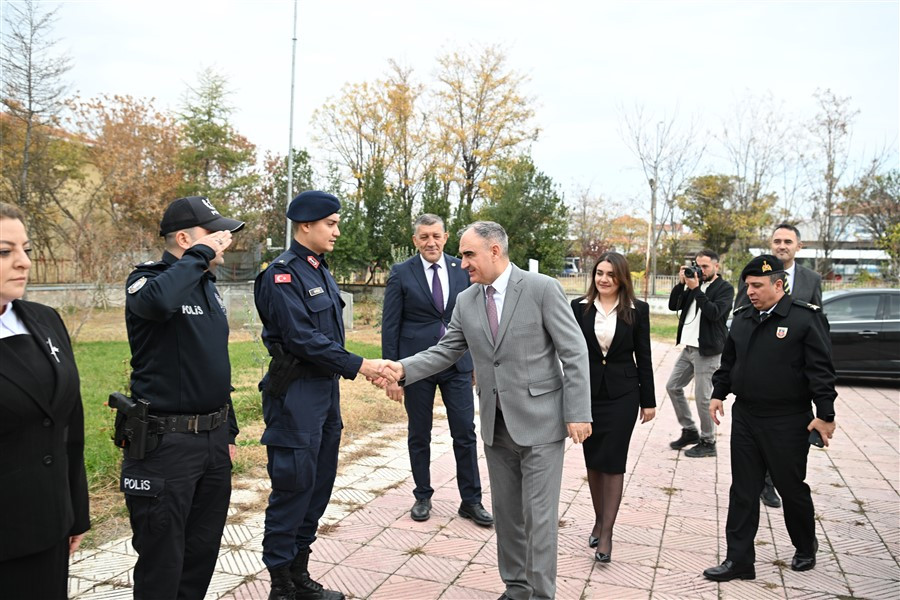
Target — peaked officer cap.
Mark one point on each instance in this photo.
(311, 206)
(195, 211)
(764, 264)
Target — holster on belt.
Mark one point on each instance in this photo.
(285, 368)
(132, 428)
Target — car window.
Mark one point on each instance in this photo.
(893, 311)
(853, 308)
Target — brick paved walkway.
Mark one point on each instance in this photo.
(670, 526)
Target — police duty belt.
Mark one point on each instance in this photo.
(160, 424)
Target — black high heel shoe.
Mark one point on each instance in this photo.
(604, 557)
(593, 541)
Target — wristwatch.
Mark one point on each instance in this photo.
(828, 418)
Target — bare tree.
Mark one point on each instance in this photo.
(754, 139)
(828, 163)
(592, 219)
(32, 95)
(668, 155)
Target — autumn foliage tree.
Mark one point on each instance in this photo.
(482, 118)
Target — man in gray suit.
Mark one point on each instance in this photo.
(802, 284)
(532, 384)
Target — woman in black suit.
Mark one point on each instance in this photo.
(616, 326)
(43, 488)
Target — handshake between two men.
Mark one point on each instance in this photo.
(385, 374)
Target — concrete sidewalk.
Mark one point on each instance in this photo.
(670, 526)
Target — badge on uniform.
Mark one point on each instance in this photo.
(316, 291)
(134, 287)
(282, 277)
(312, 260)
(781, 333)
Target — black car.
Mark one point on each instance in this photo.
(865, 331)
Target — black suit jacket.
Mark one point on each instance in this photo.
(410, 322)
(713, 307)
(43, 488)
(807, 287)
(627, 367)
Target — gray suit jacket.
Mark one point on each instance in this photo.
(538, 367)
(807, 287)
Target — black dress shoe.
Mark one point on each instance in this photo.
(421, 510)
(592, 541)
(728, 571)
(603, 557)
(803, 561)
(477, 513)
(769, 497)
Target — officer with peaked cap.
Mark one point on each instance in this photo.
(300, 308)
(777, 360)
(178, 494)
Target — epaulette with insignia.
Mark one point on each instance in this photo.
(740, 308)
(150, 263)
(812, 307)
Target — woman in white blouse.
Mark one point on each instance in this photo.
(616, 326)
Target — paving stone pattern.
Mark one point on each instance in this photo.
(670, 526)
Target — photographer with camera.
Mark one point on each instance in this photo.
(704, 299)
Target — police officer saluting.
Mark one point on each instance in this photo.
(178, 492)
(777, 359)
(300, 308)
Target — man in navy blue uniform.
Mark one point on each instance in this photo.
(178, 494)
(418, 301)
(777, 360)
(300, 308)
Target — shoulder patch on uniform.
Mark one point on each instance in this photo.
(134, 287)
(812, 307)
(740, 308)
(313, 261)
(282, 277)
(316, 291)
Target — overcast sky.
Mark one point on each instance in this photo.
(584, 60)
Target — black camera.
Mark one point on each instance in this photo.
(693, 271)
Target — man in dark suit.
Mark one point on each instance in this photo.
(802, 284)
(418, 301)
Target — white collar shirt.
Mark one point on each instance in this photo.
(11, 324)
(789, 273)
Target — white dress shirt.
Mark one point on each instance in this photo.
(605, 325)
(790, 276)
(442, 275)
(11, 324)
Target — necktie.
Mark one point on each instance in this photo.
(763, 316)
(787, 286)
(437, 295)
(491, 308)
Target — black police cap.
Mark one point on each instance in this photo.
(311, 206)
(195, 211)
(764, 264)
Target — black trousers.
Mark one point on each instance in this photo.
(456, 393)
(177, 498)
(781, 445)
(43, 575)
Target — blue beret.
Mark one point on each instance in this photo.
(764, 264)
(311, 206)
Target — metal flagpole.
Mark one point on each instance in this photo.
(290, 168)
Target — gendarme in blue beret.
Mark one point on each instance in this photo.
(311, 206)
(764, 264)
